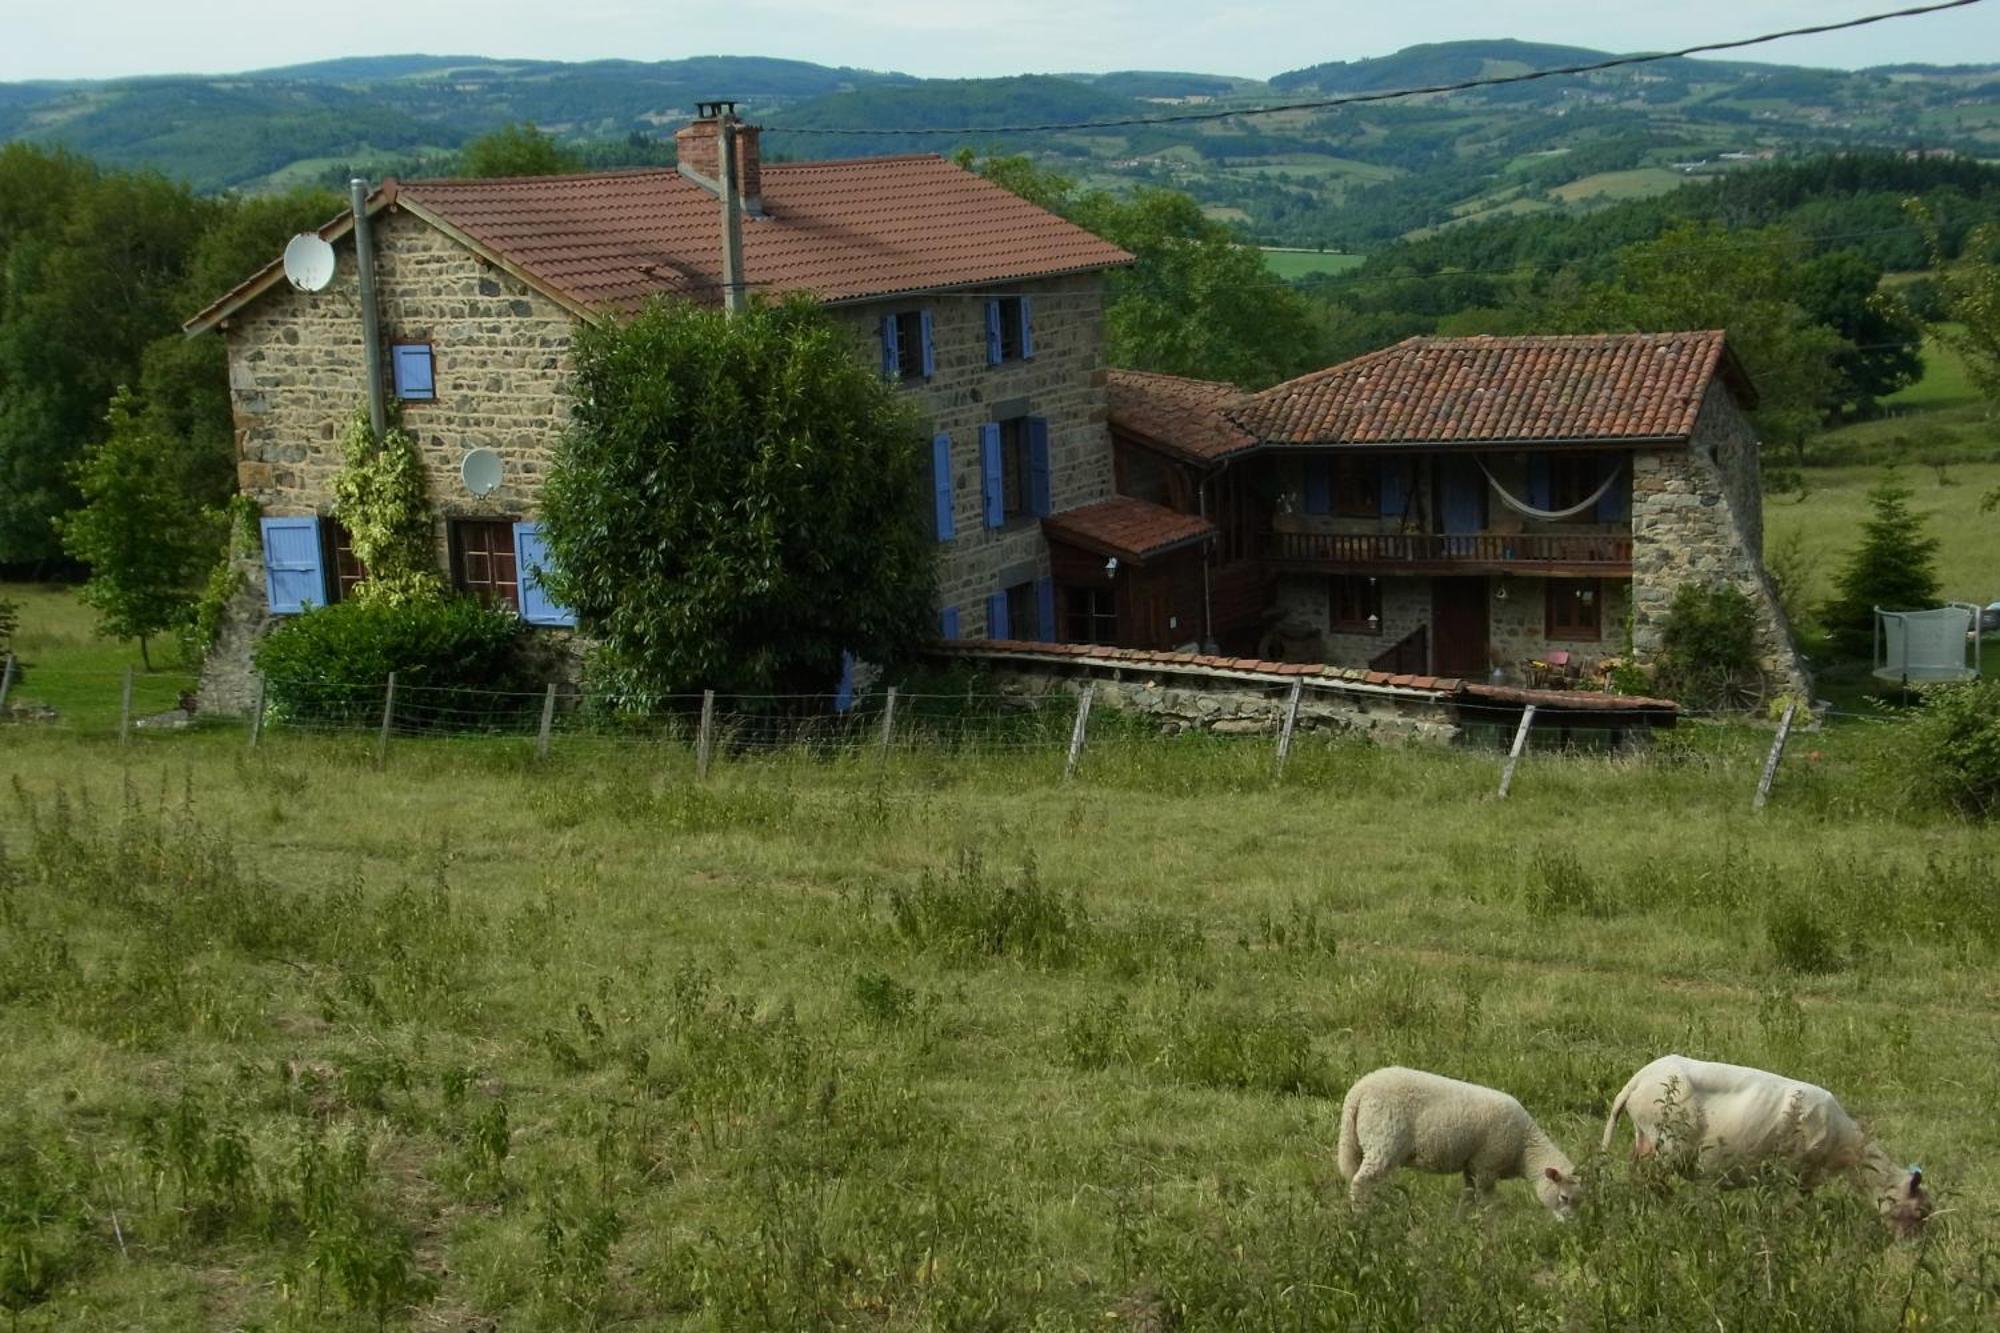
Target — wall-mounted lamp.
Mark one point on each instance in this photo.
(1111, 568)
(1500, 589)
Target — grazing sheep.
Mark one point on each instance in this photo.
(1404, 1117)
(1732, 1117)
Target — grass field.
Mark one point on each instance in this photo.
(1638, 183)
(59, 631)
(1290, 264)
(293, 1042)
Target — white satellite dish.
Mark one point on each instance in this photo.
(308, 262)
(480, 471)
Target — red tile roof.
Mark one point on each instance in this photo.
(1507, 390)
(1128, 528)
(842, 230)
(1179, 415)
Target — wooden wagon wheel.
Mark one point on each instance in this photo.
(1744, 690)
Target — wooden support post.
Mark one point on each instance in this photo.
(1290, 723)
(704, 741)
(125, 708)
(1520, 744)
(6, 678)
(1770, 772)
(1076, 732)
(257, 713)
(888, 721)
(388, 720)
(548, 720)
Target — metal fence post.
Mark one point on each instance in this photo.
(1770, 772)
(1514, 755)
(1076, 732)
(388, 718)
(125, 708)
(704, 742)
(548, 719)
(6, 678)
(1291, 721)
(257, 713)
(888, 721)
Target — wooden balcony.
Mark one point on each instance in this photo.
(1561, 555)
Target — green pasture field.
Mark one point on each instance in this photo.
(1291, 264)
(66, 665)
(1636, 183)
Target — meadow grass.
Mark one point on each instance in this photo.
(1292, 264)
(940, 1042)
(66, 665)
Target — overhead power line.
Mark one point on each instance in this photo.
(1350, 99)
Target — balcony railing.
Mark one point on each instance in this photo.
(1582, 553)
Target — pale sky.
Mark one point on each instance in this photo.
(54, 39)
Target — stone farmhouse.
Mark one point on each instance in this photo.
(1453, 506)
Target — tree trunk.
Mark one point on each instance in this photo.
(145, 658)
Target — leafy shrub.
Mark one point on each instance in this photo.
(331, 662)
(1950, 753)
(1710, 633)
(1801, 939)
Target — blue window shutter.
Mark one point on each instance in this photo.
(948, 623)
(1027, 327)
(1319, 486)
(1394, 472)
(843, 693)
(930, 349)
(531, 556)
(992, 333)
(1540, 488)
(989, 472)
(1614, 505)
(294, 575)
(996, 616)
(892, 361)
(1039, 485)
(412, 368)
(941, 487)
(1045, 610)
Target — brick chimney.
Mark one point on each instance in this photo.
(696, 147)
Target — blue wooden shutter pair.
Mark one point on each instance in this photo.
(1319, 486)
(930, 348)
(412, 369)
(1614, 506)
(1040, 488)
(948, 623)
(892, 354)
(294, 573)
(941, 487)
(991, 482)
(1045, 610)
(1541, 490)
(992, 333)
(531, 557)
(1394, 472)
(1027, 328)
(996, 616)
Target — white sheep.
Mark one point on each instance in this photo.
(1732, 1117)
(1405, 1117)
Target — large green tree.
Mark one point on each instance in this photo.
(516, 150)
(1883, 349)
(735, 502)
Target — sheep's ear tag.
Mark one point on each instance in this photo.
(1552, 1174)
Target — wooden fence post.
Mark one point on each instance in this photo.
(888, 721)
(6, 678)
(257, 713)
(704, 742)
(125, 708)
(1290, 723)
(1076, 732)
(548, 719)
(388, 718)
(1514, 755)
(1770, 772)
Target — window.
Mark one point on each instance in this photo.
(1014, 466)
(482, 560)
(1356, 486)
(346, 567)
(1090, 614)
(1575, 607)
(1010, 334)
(1572, 477)
(943, 526)
(1354, 604)
(1022, 621)
(906, 345)
(1014, 470)
(410, 364)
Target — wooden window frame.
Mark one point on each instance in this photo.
(909, 344)
(1559, 593)
(1096, 617)
(492, 590)
(344, 571)
(1024, 612)
(1357, 486)
(1572, 477)
(1010, 329)
(1017, 490)
(1350, 600)
(395, 376)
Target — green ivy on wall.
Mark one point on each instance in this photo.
(381, 499)
(226, 579)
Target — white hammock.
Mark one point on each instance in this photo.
(1548, 515)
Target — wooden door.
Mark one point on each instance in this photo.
(1458, 628)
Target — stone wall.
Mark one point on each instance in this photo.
(1063, 382)
(1697, 517)
(1517, 625)
(1305, 600)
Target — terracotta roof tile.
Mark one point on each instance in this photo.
(1128, 528)
(841, 230)
(1181, 415)
(1488, 390)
